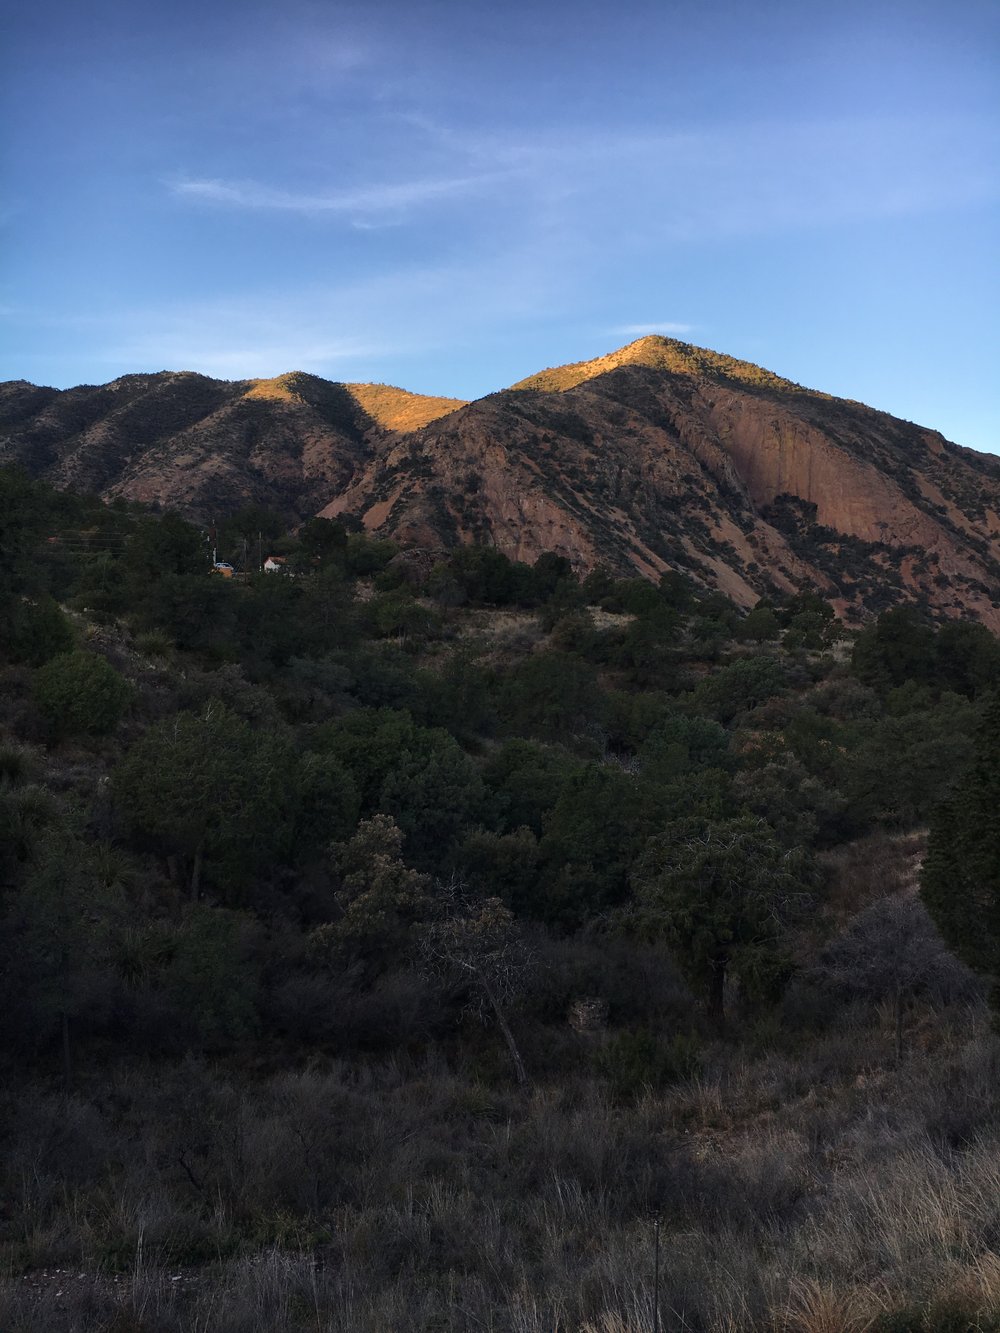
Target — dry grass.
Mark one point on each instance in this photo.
(808, 1191)
(814, 1307)
(497, 636)
(872, 867)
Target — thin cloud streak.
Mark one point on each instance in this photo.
(390, 198)
(731, 181)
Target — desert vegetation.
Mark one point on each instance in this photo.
(394, 943)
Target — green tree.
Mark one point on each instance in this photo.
(212, 978)
(80, 693)
(898, 647)
(418, 775)
(400, 616)
(281, 618)
(799, 807)
(206, 790)
(368, 555)
(28, 814)
(592, 835)
(527, 778)
(552, 695)
(28, 514)
(679, 744)
(462, 697)
(503, 865)
(55, 947)
(809, 629)
(967, 657)
(163, 548)
(380, 901)
(324, 539)
(246, 529)
(761, 625)
(737, 686)
(36, 630)
(721, 894)
(326, 803)
(924, 751)
(434, 792)
(960, 877)
(198, 611)
(647, 650)
(549, 573)
(483, 575)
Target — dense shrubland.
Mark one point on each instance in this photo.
(384, 946)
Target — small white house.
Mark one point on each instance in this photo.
(275, 564)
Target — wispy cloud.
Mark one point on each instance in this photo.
(640, 330)
(633, 189)
(368, 328)
(391, 198)
(738, 180)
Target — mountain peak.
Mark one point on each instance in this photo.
(660, 353)
(282, 388)
(398, 409)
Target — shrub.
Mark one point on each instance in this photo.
(737, 686)
(212, 979)
(79, 692)
(154, 643)
(634, 1061)
(15, 764)
(37, 631)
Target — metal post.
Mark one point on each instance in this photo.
(656, 1275)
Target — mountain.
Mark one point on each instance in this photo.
(204, 446)
(658, 456)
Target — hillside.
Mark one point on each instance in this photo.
(664, 457)
(658, 456)
(386, 945)
(207, 447)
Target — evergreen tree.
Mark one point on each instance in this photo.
(960, 880)
(80, 692)
(380, 902)
(721, 895)
(207, 791)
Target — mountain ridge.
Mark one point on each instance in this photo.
(658, 456)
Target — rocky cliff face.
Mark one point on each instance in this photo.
(746, 481)
(655, 457)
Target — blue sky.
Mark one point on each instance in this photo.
(449, 195)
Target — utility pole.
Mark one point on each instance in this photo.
(260, 552)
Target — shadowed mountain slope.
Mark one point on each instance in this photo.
(207, 446)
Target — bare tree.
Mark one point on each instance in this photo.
(477, 942)
(892, 951)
